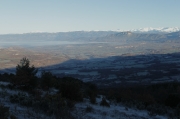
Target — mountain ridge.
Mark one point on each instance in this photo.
(91, 36)
(156, 30)
(139, 30)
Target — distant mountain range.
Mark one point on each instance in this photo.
(132, 36)
(148, 30)
(145, 34)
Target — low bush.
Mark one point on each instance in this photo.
(22, 99)
(70, 88)
(104, 102)
(47, 80)
(89, 109)
(91, 92)
(13, 117)
(93, 99)
(4, 112)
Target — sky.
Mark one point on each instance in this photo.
(23, 16)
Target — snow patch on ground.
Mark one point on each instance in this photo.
(115, 111)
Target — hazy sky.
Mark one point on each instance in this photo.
(21, 16)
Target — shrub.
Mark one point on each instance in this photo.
(70, 88)
(70, 103)
(104, 102)
(93, 99)
(46, 80)
(13, 117)
(89, 109)
(56, 105)
(91, 92)
(4, 112)
(172, 100)
(22, 99)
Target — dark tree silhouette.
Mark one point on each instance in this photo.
(25, 74)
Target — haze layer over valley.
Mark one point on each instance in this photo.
(92, 44)
(63, 46)
(87, 54)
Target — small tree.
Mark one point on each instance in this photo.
(25, 74)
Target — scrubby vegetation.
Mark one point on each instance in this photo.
(161, 99)
(55, 96)
(91, 92)
(47, 94)
(104, 102)
(4, 112)
(89, 109)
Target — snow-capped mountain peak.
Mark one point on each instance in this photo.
(156, 30)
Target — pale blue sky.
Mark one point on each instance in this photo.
(22, 16)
